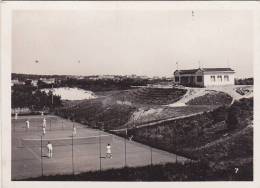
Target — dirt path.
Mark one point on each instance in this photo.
(197, 92)
(190, 94)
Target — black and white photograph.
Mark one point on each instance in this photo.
(128, 92)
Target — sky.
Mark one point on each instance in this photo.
(132, 41)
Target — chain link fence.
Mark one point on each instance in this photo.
(75, 149)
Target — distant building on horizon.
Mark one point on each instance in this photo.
(204, 77)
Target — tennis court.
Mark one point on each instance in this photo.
(85, 151)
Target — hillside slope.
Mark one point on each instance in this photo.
(116, 109)
(224, 134)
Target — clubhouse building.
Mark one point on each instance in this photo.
(205, 77)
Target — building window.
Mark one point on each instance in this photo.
(199, 78)
(184, 79)
(219, 78)
(212, 78)
(226, 78)
(177, 79)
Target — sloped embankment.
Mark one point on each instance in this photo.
(98, 113)
(184, 136)
(211, 98)
(152, 96)
(114, 111)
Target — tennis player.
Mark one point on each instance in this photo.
(42, 114)
(44, 123)
(74, 131)
(27, 124)
(50, 149)
(16, 115)
(43, 130)
(109, 153)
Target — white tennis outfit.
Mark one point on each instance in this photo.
(74, 131)
(50, 150)
(27, 124)
(43, 130)
(44, 122)
(109, 153)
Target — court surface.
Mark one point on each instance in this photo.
(29, 159)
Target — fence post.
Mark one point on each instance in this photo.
(72, 152)
(151, 155)
(125, 146)
(175, 141)
(14, 124)
(100, 150)
(41, 158)
(176, 150)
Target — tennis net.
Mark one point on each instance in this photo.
(67, 141)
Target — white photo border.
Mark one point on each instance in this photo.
(8, 7)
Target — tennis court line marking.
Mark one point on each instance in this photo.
(35, 155)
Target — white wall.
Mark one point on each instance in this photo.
(208, 82)
(206, 78)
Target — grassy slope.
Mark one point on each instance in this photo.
(168, 172)
(192, 136)
(109, 112)
(212, 98)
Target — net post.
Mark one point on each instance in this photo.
(41, 158)
(72, 144)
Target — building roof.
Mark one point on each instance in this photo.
(217, 69)
(188, 71)
(192, 71)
